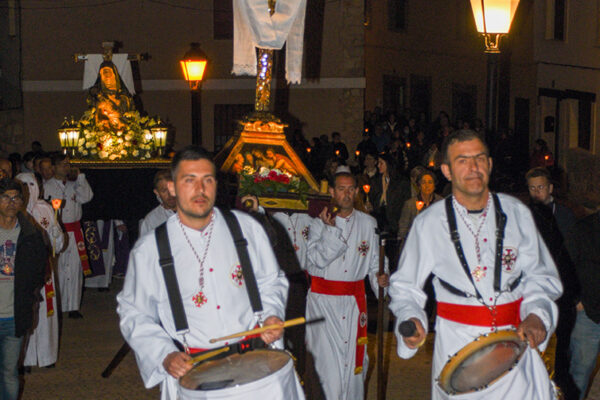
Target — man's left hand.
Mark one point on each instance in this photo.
(383, 280)
(272, 335)
(532, 330)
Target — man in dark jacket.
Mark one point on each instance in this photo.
(23, 257)
(583, 244)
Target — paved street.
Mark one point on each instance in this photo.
(89, 344)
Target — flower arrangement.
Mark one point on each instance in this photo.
(270, 181)
(133, 142)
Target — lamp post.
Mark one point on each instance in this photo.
(493, 19)
(193, 65)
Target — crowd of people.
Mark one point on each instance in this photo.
(426, 190)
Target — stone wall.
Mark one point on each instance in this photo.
(583, 172)
(352, 41)
(12, 133)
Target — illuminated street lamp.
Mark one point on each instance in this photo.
(68, 134)
(493, 19)
(193, 65)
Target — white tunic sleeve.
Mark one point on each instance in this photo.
(137, 310)
(540, 284)
(406, 284)
(324, 244)
(83, 191)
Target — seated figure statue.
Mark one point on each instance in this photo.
(111, 98)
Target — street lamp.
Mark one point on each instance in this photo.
(159, 136)
(493, 19)
(193, 65)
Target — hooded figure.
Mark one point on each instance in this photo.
(42, 349)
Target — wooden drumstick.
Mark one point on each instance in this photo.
(286, 324)
(207, 355)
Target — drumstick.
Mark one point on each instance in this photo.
(207, 355)
(286, 324)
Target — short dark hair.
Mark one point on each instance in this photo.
(344, 174)
(56, 157)
(163, 174)
(190, 153)
(7, 184)
(538, 172)
(461, 135)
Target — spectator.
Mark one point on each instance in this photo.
(541, 156)
(6, 169)
(380, 138)
(46, 168)
(28, 162)
(339, 148)
(15, 160)
(413, 206)
(23, 264)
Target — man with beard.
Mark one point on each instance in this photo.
(342, 250)
(492, 271)
(166, 206)
(208, 276)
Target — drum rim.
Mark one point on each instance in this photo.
(477, 344)
(265, 350)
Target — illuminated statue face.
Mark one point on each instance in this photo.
(108, 78)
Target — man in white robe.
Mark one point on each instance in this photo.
(73, 189)
(342, 251)
(529, 281)
(213, 290)
(166, 206)
(116, 227)
(42, 347)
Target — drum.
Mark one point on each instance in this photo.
(265, 372)
(482, 362)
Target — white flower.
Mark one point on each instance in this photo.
(135, 153)
(124, 152)
(112, 157)
(119, 141)
(81, 141)
(128, 137)
(93, 151)
(84, 152)
(103, 154)
(147, 154)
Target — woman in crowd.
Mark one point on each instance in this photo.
(413, 206)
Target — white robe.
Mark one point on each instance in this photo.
(146, 318)
(297, 226)
(42, 347)
(333, 342)
(429, 249)
(154, 218)
(70, 275)
(108, 255)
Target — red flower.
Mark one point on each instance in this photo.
(272, 175)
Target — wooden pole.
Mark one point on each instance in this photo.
(380, 327)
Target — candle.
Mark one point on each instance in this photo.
(55, 205)
(308, 149)
(324, 186)
(337, 152)
(546, 157)
(408, 145)
(357, 152)
(420, 204)
(367, 188)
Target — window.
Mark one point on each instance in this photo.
(556, 19)
(420, 95)
(226, 121)
(397, 15)
(464, 102)
(393, 94)
(222, 20)
(584, 122)
(10, 57)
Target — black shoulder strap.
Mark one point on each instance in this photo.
(168, 268)
(500, 227)
(241, 245)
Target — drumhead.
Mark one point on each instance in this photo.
(235, 370)
(482, 362)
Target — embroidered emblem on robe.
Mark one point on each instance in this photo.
(509, 257)
(363, 248)
(236, 276)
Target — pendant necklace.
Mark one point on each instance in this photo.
(294, 225)
(480, 271)
(200, 298)
(345, 239)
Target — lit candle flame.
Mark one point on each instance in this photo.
(337, 152)
(408, 145)
(367, 188)
(546, 157)
(308, 149)
(357, 152)
(56, 203)
(431, 163)
(420, 204)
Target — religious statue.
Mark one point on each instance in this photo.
(110, 98)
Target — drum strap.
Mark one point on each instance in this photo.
(168, 269)
(241, 245)
(500, 228)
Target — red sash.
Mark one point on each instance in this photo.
(503, 314)
(356, 289)
(75, 227)
(49, 291)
